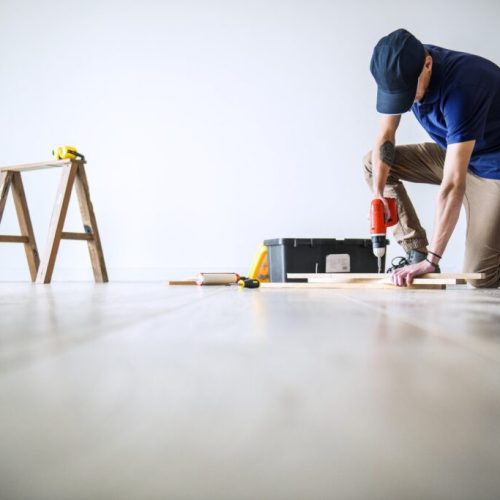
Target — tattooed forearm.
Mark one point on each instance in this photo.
(387, 153)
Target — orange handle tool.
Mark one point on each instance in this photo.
(378, 226)
(377, 216)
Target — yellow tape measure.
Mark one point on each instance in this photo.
(67, 153)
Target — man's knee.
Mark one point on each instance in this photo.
(487, 282)
(487, 265)
(491, 279)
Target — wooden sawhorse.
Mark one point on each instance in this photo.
(73, 173)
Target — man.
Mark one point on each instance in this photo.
(456, 98)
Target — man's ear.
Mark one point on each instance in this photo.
(428, 62)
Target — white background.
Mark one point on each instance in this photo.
(209, 126)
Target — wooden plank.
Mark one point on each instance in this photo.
(25, 167)
(367, 276)
(416, 281)
(13, 239)
(5, 181)
(77, 236)
(182, 282)
(358, 286)
(23, 216)
(57, 222)
(90, 224)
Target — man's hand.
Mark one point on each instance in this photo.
(387, 210)
(404, 275)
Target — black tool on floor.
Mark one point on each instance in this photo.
(248, 282)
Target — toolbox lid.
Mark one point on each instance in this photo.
(312, 242)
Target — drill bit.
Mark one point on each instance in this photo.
(379, 259)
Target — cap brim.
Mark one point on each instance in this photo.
(395, 103)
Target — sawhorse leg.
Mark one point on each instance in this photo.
(74, 172)
(23, 216)
(57, 223)
(90, 226)
(5, 180)
(14, 180)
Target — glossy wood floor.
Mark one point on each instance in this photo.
(141, 391)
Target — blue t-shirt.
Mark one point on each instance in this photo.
(462, 104)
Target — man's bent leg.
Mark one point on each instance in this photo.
(482, 248)
(420, 163)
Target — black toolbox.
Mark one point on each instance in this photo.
(325, 255)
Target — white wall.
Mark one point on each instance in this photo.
(209, 125)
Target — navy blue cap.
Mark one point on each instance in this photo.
(397, 61)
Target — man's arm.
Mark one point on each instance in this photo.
(383, 154)
(451, 193)
(449, 202)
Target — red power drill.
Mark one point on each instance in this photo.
(378, 226)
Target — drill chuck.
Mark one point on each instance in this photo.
(379, 243)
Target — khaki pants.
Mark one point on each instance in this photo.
(423, 163)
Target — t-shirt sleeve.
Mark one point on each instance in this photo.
(465, 110)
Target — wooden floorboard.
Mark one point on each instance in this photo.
(141, 390)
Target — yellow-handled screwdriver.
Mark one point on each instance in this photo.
(248, 282)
